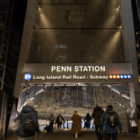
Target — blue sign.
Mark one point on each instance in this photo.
(129, 76)
(125, 76)
(27, 76)
(121, 76)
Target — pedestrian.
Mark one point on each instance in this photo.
(28, 122)
(87, 121)
(59, 121)
(97, 114)
(76, 125)
(110, 121)
(51, 119)
(133, 120)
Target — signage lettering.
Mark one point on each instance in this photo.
(61, 68)
(78, 69)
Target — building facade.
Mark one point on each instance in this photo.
(78, 53)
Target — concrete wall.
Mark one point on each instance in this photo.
(25, 43)
(127, 17)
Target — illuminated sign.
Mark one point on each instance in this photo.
(78, 69)
(71, 72)
(69, 77)
(77, 77)
(120, 76)
(27, 76)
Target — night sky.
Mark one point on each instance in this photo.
(19, 12)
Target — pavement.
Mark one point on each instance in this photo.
(61, 135)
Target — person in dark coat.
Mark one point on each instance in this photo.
(87, 120)
(110, 129)
(97, 114)
(27, 112)
(76, 125)
(51, 119)
(59, 120)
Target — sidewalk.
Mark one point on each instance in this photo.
(68, 136)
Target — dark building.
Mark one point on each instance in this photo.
(136, 15)
(10, 37)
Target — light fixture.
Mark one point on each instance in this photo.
(125, 76)
(128, 76)
(39, 8)
(118, 8)
(121, 76)
(110, 76)
(120, 27)
(114, 76)
(118, 76)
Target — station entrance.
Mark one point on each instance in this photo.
(65, 98)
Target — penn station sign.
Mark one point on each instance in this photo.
(76, 72)
(78, 68)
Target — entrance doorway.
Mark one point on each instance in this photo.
(65, 98)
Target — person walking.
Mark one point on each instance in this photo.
(59, 120)
(51, 119)
(97, 114)
(28, 122)
(110, 121)
(76, 125)
(87, 121)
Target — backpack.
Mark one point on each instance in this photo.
(111, 119)
(29, 127)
